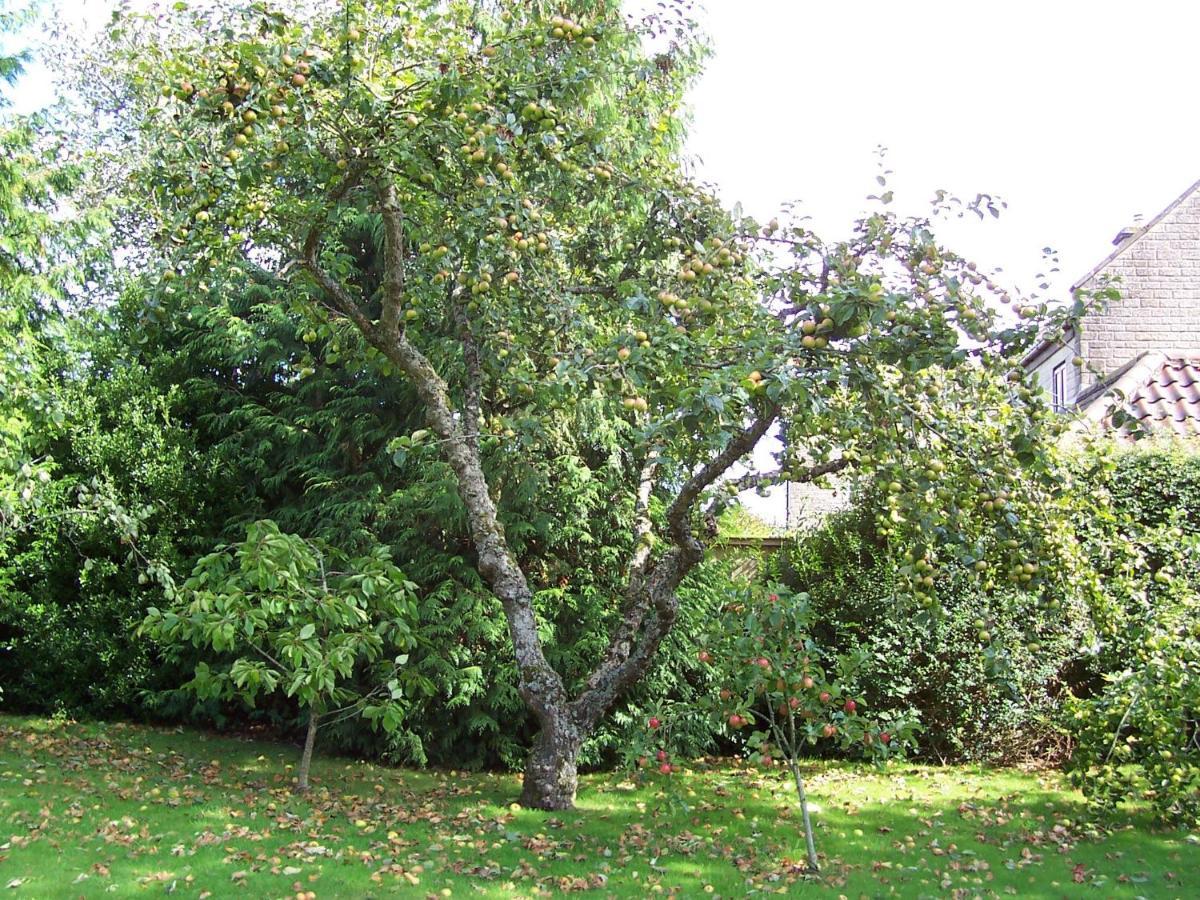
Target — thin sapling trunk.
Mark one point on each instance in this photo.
(310, 739)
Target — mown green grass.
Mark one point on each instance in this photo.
(101, 810)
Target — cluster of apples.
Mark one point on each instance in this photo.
(540, 114)
(233, 98)
(474, 151)
(922, 579)
(699, 264)
(806, 683)
(564, 29)
(523, 241)
(663, 758)
(1022, 571)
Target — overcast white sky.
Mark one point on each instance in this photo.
(1079, 114)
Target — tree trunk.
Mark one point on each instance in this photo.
(306, 756)
(551, 771)
(814, 864)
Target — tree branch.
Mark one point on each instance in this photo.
(652, 589)
(393, 270)
(679, 511)
(813, 472)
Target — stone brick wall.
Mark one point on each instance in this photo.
(1159, 309)
(808, 505)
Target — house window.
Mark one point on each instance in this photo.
(1058, 387)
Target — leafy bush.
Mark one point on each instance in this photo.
(982, 677)
(1136, 713)
(128, 488)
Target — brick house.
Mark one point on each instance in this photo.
(1146, 345)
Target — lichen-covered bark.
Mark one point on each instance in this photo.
(551, 771)
(651, 602)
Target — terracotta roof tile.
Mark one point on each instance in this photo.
(1171, 398)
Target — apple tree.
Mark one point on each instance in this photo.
(280, 614)
(776, 684)
(490, 200)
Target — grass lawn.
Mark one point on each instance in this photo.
(95, 810)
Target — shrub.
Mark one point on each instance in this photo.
(1136, 710)
(982, 677)
(128, 487)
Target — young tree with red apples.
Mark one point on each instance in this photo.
(777, 686)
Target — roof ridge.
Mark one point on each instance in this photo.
(1137, 236)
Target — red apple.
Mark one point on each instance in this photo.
(725, 694)
(806, 682)
(662, 755)
(850, 707)
(736, 721)
(654, 722)
(665, 768)
(829, 731)
(704, 656)
(774, 598)
(642, 761)
(823, 696)
(884, 737)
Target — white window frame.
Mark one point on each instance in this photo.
(1058, 387)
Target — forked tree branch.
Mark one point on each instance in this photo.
(652, 590)
(541, 686)
(679, 512)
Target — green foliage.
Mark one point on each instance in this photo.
(129, 501)
(43, 255)
(278, 614)
(982, 678)
(1137, 719)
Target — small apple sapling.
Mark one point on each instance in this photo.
(778, 689)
